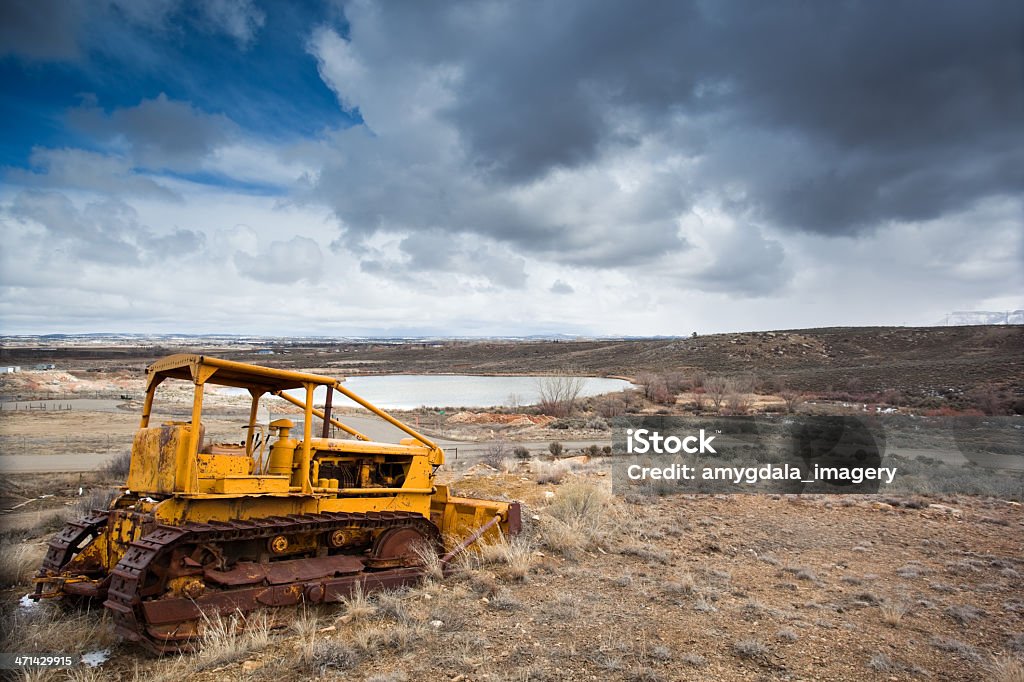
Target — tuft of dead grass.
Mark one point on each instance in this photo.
(306, 625)
(749, 648)
(19, 562)
(356, 605)
(429, 560)
(329, 652)
(684, 584)
(516, 554)
(227, 640)
(392, 603)
(577, 519)
(549, 472)
(893, 612)
(46, 627)
(1005, 669)
(394, 638)
(96, 498)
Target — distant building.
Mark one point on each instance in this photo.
(11, 369)
(265, 351)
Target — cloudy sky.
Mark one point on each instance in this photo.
(477, 168)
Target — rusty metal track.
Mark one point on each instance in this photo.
(67, 543)
(144, 612)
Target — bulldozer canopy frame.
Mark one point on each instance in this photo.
(201, 370)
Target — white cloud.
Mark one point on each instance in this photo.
(283, 262)
(91, 171)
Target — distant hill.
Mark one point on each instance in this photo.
(983, 317)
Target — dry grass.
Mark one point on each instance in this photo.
(96, 498)
(893, 612)
(306, 625)
(46, 628)
(549, 472)
(329, 652)
(516, 554)
(685, 584)
(357, 606)
(19, 563)
(392, 603)
(964, 613)
(394, 638)
(226, 640)
(429, 560)
(578, 518)
(749, 648)
(116, 468)
(1006, 669)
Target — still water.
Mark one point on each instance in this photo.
(409, 391)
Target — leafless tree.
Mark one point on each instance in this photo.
(793, 399)
(739, 403)
(647, 380)
(716, 389)
(989, 399)
(495, 453)
(558, 394)
(611, 406)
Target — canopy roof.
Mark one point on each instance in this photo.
(206, 369)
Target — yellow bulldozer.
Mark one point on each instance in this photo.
(273, 516)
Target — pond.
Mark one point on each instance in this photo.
(409, 391)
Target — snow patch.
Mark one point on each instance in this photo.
(94, 659)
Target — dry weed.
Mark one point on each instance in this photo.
(46, 628)
(306, 625)
(685, 584)
(749, 648)
(893, 612)
(516, 554)
(391, 603)
(578, 518)
(357, 606)
(433, 569)
(226, 640)
(1006, 669)
(19, 562)
(549, 472)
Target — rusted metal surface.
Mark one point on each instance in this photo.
(327, 414)
(63, 547)
(396, 548)
(470, 540)
(515, 519)
(145, 611)
(281, 572)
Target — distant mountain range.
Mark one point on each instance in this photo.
(983, 317)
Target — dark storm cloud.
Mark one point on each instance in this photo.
(47, 30)
(40, 29)
(158, 132)
(859, 113)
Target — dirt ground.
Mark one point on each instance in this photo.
(738, 587)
